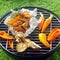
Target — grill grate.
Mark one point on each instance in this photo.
(33, 36)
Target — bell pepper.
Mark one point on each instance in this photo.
(5, 35)
(42, 38)
(40, 24)
(53, 34)
(46, 23)
(11, 44)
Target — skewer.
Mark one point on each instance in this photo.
(7, 40)
(51, 42)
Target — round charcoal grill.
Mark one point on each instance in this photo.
(33, 36)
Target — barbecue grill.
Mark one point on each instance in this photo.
(33, 36)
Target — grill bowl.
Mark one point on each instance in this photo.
(33, 36)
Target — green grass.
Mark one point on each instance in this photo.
(7, 5)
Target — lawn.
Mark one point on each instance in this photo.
(7, 5)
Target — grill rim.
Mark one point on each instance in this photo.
(31, 55)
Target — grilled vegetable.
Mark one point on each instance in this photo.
(11, 44)
(20, 38)
(53, 34)
(26, 14)
(32, 44)
(42, 38)
(14, 20)
(19, 23)
(28, 42)
(40, 24)
(21, 47)
(46, 23)
(5, 35)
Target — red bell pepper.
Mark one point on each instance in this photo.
(40, 24)
(11, 44)
(53, 34)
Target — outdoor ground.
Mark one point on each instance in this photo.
(7, 5)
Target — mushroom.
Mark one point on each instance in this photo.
(28, 42)
(21, 47)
